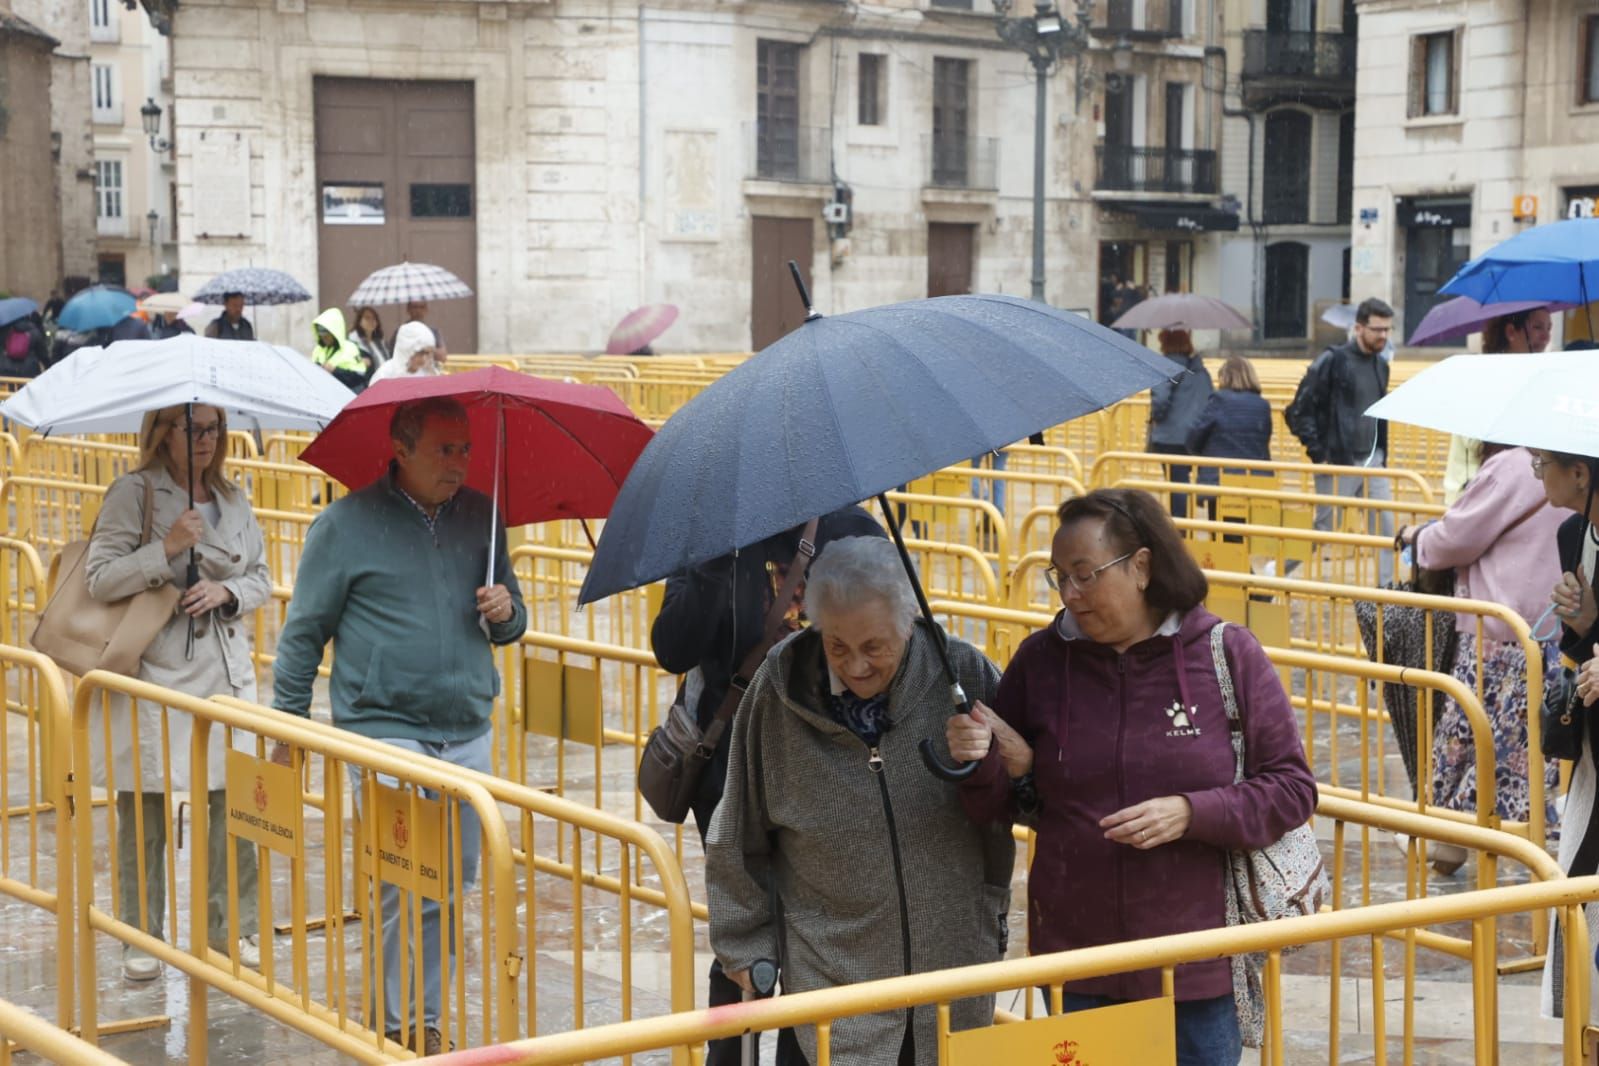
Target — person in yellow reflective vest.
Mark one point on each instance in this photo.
(336, 353)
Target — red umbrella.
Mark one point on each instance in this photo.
(563, 450)
(639, 327)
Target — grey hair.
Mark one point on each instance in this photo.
(409, 419)
(852, 571)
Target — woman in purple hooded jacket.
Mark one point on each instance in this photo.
(1109, 735)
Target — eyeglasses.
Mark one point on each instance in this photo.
(201, 432)
(1058, 579)
(1539, 462)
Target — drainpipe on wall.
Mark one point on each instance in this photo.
(643, 167)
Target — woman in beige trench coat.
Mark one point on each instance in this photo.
(234, 581)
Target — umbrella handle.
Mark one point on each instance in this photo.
(957, 695)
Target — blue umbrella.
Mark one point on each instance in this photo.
(14, 308)
(1553, 263)
(97, 307)
(846, 408)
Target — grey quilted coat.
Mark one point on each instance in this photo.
(877, 873)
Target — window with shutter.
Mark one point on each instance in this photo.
(777, 131)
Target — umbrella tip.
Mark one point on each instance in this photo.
(804, 293)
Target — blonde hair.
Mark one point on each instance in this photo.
(153, 452)
(1238, 374)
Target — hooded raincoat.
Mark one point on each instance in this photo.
(342, 358)
(1110, 730)
(876, 871)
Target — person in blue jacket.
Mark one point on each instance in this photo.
(1235, 422)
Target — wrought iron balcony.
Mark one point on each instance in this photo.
(962, 162)
(1313, 68)
(1123, 168)
(787, 152)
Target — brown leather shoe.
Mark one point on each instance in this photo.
(433, 1042)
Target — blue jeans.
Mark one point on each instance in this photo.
(1207, 1029)
(475, 754)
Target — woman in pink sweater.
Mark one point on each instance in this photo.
(1496, 536)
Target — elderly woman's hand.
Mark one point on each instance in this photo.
(1574, 601)
(1149, 824)
(970, 736)
(1588, 679)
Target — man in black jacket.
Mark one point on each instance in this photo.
(1328, 416)
(712, 615)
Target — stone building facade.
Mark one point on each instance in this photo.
(1475, 119)
(30, 224)
(573, 159)
(68, 107)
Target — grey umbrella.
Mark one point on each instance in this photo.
(1181, 310)
(844, 409)
(259, 286)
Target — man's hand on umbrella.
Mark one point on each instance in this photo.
(184, 534)
(494, 603)
(205, 595)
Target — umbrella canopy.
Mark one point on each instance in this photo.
(1340, 315)
(1554, 262)
(640, 327)
(405, 282)
(566, 448)
(14, 308)
(1544, 400)
(165, 303)
(97, 307)
(1181, 310)
(108, 390)
(259, 285)
(193, 311)
(845, 408)
(1463, 315)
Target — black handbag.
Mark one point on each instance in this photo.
(678, 751)
(1561, 718)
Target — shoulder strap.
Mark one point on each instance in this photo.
(149, 507)
(1229, 698)
(772, 632)
(1528, 513)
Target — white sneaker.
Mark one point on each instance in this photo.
(138, 966)
(1402, 842)
(250, 952)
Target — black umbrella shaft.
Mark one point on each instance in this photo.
(962, 704)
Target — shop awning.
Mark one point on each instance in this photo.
(1190, 218)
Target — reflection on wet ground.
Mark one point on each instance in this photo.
(1441, 1000)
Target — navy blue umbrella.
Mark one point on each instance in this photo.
(97, 307)
(847, 408)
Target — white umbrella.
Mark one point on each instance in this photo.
(1548, 400)
(405, 282)
(1340, 315)
(165, 303)
(108, 390)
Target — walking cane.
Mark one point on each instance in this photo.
(763, 975)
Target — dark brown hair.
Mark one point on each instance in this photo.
(1496, 334)
(1134, 519)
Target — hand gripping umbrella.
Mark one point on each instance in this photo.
(844, 409)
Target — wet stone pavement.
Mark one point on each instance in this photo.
(1442, 1000)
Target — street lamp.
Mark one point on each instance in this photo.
(153, 219)
(150, 115)
(1047, 38)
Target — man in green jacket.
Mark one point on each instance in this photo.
(392, 574)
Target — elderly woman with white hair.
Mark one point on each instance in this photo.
(414, 355)
(834, 851)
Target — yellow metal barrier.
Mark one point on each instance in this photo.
(10, 455)
(22, 591)
(35, 832)
(412, 840)
(51, 513)
(824, 1007)
(1364, 515)
(1112, 467)
(35, 1035)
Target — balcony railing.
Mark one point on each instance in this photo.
(962, 162)
(1300, 55)
(1124, 168)
(787, 152)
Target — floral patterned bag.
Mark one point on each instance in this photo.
(1281, 880)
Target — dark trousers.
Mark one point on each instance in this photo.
(1207, 1029)
(1178, 472)
(723, 992)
